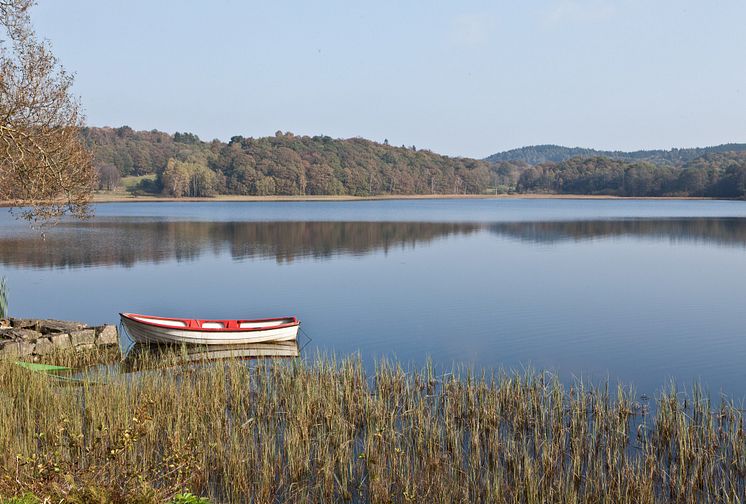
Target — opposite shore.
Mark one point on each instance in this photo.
(109, 198)
(227, 198)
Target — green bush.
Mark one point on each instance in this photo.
(189, 498)
(27, 498)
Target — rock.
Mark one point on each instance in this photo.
(24, 324)
(59, 326)
(83, 337)
(24, 337)
(107, 335)
(44, 346)
(16, 348)
(4, 323)
(20, 334)
(5, 347)
(60, 341)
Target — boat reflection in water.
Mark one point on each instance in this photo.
(143, 357)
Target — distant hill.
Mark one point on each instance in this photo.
(284, 164)
(537, 154)
(181, 164)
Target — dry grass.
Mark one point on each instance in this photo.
(290, 431)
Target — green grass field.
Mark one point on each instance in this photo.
(133, 183)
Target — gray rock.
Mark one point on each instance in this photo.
(6, 343)
(24, 324)
(83, 337)
(107, 335)
(60, 340)
(19, 334)
(59, 326)
(10, 349)
(44, 346)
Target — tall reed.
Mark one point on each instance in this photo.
(325, 431)
(4, 312)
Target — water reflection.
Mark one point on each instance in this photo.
(720, 231)
(128, 241)
(142, 357)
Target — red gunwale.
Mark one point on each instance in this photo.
(195, 325)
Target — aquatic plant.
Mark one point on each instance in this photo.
(327, 430)
(3, 298)
(189, 498)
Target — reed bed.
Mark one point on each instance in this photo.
(328, 431)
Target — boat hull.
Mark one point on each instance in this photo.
(148, 333)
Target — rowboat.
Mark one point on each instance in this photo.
(150, 329)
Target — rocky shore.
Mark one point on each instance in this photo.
(37, 337)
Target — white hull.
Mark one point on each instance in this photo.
(144, 333)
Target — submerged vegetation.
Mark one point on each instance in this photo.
(328, 431)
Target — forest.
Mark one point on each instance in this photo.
(721, 175)
(286, 164)
(537, 154)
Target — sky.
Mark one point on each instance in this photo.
(463, 78)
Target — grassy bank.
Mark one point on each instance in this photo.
(125, 197)
(328, 431)
(121, 197)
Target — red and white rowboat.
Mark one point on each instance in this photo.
(149, 329)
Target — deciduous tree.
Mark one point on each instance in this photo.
(108, 177)
(45, 170)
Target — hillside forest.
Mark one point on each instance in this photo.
(182, 165)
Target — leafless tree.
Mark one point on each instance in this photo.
(108, 176)
(45, 170)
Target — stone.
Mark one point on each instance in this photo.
(60, 340)
(44, 346)
(6, 347)
(16, 348)
(24, 324)
(107, 335)
(19, 334)
(83, 337)
(4, 323)
(59, 326)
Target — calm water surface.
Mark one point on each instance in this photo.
(638, 291)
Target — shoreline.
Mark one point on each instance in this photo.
(100, 198)
(107, 198)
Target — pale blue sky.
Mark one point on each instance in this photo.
(461, 77)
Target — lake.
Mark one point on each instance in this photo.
(642, 292)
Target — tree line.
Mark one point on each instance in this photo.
(288, 164)
(720, 175)
(537, 154)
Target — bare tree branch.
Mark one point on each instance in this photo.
(45, 170)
